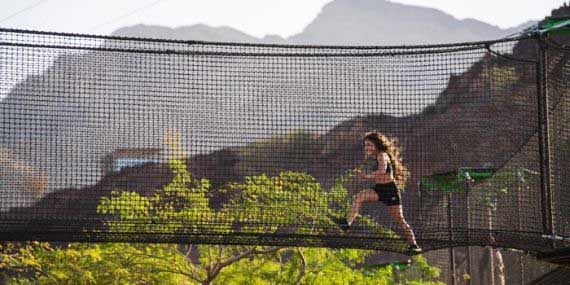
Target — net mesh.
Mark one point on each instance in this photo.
(484, 265)
(148, 140)
(558, 72)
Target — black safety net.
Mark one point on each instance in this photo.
(487, 265)
(148, 140)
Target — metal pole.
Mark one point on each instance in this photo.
(452, 263)
(421, 207)
(490, 248)
(520, 181)
(468, 227)
(543, 137)
(519, 199)
(469, 265)
(450, 226)
(522, 268)
(467, 188)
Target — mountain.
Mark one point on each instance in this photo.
(77, 88)
(195, 32)
(379, 22)
(351, 22)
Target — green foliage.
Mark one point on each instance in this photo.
(179, 207)
(182, 207)
(335, 267)
(117, 263)
(266, 204)
(325, 266)
(421, 267)
(111, 263)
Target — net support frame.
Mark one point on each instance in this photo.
(544, 137)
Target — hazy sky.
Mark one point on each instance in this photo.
(255, 17)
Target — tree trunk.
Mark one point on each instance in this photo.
(500, 267)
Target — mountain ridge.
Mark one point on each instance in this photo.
(348, 22)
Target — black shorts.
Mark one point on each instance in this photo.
(388, 193)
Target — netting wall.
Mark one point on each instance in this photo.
(121, 139)
(558, 91)
(485, 265)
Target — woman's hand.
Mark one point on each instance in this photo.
(360, 174)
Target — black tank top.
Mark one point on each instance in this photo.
(371, 165)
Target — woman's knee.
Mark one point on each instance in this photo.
(401, 221)
(360, 198)
(367, 196)
(397, 215)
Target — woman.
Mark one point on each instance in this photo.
(384, 171)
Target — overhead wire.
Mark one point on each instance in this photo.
(128, 14)
(21, 11)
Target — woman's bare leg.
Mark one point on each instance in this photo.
(362, 197)
(398, 216)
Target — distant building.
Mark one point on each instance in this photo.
(129, 157)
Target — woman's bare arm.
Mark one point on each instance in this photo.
(382, 159)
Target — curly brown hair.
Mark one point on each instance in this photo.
(392, 148)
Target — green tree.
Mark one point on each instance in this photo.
(82, 263)
(182, 207)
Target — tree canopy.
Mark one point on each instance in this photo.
(183, 207)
